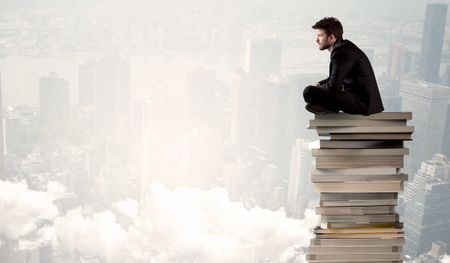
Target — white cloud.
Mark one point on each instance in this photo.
(21, 209)
(186, 225)
(98, 234)
(127, 207)
(445, 259)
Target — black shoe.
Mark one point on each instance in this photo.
(317, 109)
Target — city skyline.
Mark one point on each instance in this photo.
(176, 131)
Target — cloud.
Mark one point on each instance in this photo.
(187, 225)
(21, 209)
(91, 234)
(445, 259)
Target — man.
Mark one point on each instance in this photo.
(351, 86)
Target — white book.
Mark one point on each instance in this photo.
(354, 123)
(350, 152)
(355, 171)
(377, 116)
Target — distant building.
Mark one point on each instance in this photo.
(262, 57)
(54, 102)
(87, 83)
(2, 138)
(400, 61)
(429, 103)
(300, 188)
(112, 93)
(427, 213)
(432, 41)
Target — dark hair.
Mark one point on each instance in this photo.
(331, 26)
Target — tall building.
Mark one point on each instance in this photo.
(86, 83)
(2, 137)
(300, 188)
(54, 102)
(243, 109)
(202, 88)
(112, 93)
(427, 213)
(400, 61)
(262, 57)
(432, 40)
(429, 103)
(271, 122)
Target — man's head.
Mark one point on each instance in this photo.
(328, 30)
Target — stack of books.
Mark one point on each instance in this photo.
(358, 174)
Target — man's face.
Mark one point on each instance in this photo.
(324, 41)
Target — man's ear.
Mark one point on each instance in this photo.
(332, 37)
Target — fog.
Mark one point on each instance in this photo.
(175, 131)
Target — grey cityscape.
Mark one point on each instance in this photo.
(176, 131)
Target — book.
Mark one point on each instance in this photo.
(361, 230)
(357, 242)
(355, 171)
(355, 210)
(337, 165)
(362, 235)
(363, 219)
(359, 177)
(313, 124)
(359, 202)
(356, 196)
(375, 129)
(360, 187)
(353, 250)
(353, 257)
(359, 225)
(351, 152)
(375, 144)
(368, 136)
(377, 116)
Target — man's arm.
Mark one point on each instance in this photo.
(341, 63)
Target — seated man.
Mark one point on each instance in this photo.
(351, 85)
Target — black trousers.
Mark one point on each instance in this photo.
(341, 100)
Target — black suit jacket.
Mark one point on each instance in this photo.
(350, 70)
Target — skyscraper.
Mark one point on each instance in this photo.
(2, 137)
(428, 102)
(262, 57)
(112, 93)
(432, 40)
(300, 188)
(86, 83)
(400, 60)
(427, 213)
(53, 98)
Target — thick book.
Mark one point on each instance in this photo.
(357, 242)
(360, 187)
(377, 116)
(351, 257)
(358, 202)
(359, 177)
(374, 144)
(361, 235)
(353, 250)
(375, 129)
(356, 196)
(354, 123)
(368, 136)
(365, 219)
(366, 158)
(355, 171)
(360, 230)
(359, 152)
(355, 210)
(360, 225)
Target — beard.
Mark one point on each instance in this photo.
(324, 46)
